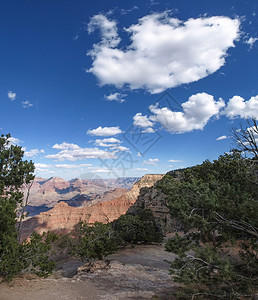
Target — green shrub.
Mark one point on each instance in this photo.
(95, 241)
(138, 226)
(216, 205)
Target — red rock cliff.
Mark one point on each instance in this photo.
(64, 217)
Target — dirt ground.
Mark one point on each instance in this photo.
(134, 273)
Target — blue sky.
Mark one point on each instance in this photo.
(121, 88)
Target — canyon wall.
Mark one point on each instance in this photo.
(153, 199)
(63, 218)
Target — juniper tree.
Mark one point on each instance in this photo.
(16, 256)
(216, 206)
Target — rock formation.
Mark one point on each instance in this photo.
(46, 193)
(153, 199)
(64, 217)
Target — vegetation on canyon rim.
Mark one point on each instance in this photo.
(215, 204)
(98, 240)
(16, 256)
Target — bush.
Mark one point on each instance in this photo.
(138, 226)
(99, 240)
(95, 241)
(216, 205)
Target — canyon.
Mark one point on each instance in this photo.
(44, 194)
(109, 205)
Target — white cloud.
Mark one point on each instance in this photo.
(107, 28)
(44, 168)
(120, 148)
(67, 166)
(101, 170)
(38, 165)
(151, 161)
(14, 141)
(81, 153)
(126, 11)
(109, 142)
(223, 137)
(140, 169)
(142, 121)
(174, 160)
(33, 152)
(148, 130)
(254, 132)
(251, 41)
(45, 171)
(66, 146)
(164, 51)
(115, 97)
(26, 104)
(61, 166)
(197, 111)
(11, 95)
(238, 107)
(105, 131)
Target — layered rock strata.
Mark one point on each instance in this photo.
(63, 218)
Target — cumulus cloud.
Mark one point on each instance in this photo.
(148, 130)
(105, 131)
(238, 107)
(82, 153)
(108, 30)
(174, 161)
(26, 104)
(251, 41)
(66, 146)
(119, 148)
(43, 168)
(112, 143)
(39, 165)
(108, 140)
(164, 52)
(254, 132)
(115, 97)
(69, 166)
(142, 121)
(197, 111)
(223, 137)
(61, 166)
(151, 161)
(33, 152)
(14, 141)
(140, 169)
(11, 95)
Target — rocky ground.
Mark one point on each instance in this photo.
(132, 273)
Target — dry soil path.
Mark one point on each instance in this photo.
(134, 273)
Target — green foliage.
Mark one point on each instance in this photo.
(216, 206)
(99, 240)
(31, 256)
(95, 241)
(16, 257)
(138, 226)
